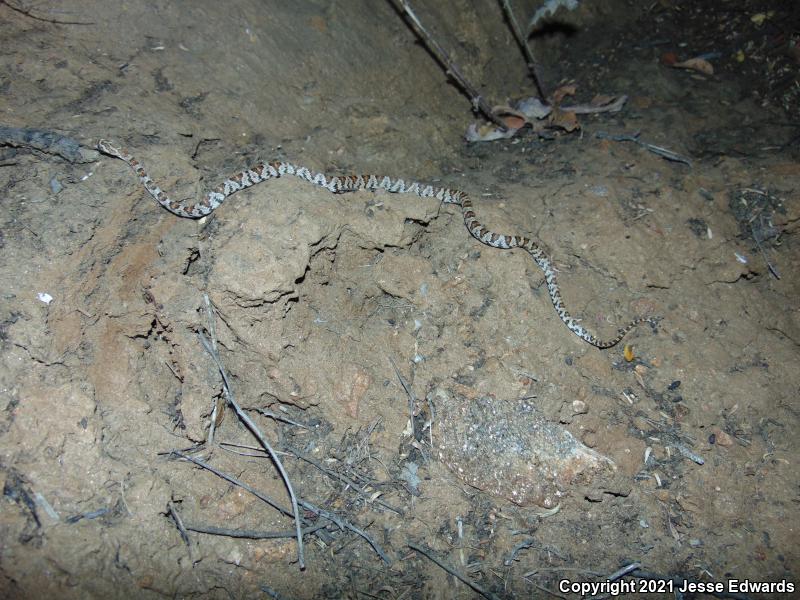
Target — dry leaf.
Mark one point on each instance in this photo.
(669, 58)
(513, 119)
(563, 92)
(567, 121)
(700, 65)
(599, 104)
(602, 100)
(486, 132)
(533, 108)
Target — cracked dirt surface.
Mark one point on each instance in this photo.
(316, 293)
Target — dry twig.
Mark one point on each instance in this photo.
(343, 524)
(463, 578)
(357, 488)
(249, 533)
(262, 440)
(412, 399)
(215, 406)
(658, 150)
(29, 14)
(231, 479)
(526, 49)
(173, 512)
(451, 69)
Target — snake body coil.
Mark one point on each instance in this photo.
(337, 184)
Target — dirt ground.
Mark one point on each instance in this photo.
(315, 298)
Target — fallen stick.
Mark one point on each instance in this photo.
(526, 49)
(261, 439)
(451, 69)
(429, 555)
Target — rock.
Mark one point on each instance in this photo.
(351, 387)
(508, 449)
(722, 438)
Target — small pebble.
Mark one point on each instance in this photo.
(674, 385)
(579, 407)
(722, 438)
(55, 185)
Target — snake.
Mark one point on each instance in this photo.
(264, 171)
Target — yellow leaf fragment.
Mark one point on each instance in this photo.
(628, 353)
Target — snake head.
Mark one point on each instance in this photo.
(108, 148)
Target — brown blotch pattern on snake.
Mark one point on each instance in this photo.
(336, 184)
